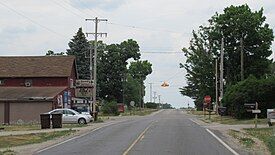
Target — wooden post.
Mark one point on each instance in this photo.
(256, 116)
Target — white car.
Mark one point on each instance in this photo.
(72, 116)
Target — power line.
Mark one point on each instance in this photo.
(122, 25)
(175, 75)
(146, 28)
(67, 9)
(88, 9)
(31, 20)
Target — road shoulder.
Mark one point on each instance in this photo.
(222, 131)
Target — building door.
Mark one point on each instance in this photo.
(6, 113)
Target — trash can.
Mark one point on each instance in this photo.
(45, 121)
(57, 120)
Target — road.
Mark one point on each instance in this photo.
(167, 132)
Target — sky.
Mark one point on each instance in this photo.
(32, 27)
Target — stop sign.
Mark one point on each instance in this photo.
(207, 99)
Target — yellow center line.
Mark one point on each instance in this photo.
(141, 136)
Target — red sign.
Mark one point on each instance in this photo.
(207, 99)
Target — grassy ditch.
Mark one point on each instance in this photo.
(243, 138)
(7, 152)
(225, 119)
(266, 135)
(17, 140)
(28, 127)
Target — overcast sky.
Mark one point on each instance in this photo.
(32, 27)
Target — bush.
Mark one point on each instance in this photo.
(250, 90)
(151, 105)
(110, 108)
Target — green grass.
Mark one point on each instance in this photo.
(28, 127)
(17, 140)
(138, 112)
(266, 135)
(99, 120)
(226, 119)
(244, 139)
(7, 152)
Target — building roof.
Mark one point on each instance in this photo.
(29, 93)
(36, 66)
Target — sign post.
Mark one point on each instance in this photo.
(207, 101)
(254, 108)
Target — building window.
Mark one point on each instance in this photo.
(1, 82)
(28, 83)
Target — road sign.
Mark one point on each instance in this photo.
(84, 83)
(83, 92)
(256, 111)
(132, 103)
(207, 99)
(249, 106)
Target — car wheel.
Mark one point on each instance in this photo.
(81, 121)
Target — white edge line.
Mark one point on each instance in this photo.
(223, 143)
(52, 146)
(194, 121)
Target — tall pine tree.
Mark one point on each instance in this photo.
(79, 47)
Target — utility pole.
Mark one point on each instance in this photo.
(150, 91)
(221, 70)
(216, 82)
(155, 93)
(96, 34)
(159, 100)
(242, 70)
(140, 102)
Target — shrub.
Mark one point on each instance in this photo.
(250, 90)
(151, 105)
(110, 108)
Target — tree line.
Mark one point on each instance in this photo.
(120, 72)
(243, 30)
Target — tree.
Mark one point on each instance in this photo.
(140, 69)
(236, 23)
(151, 105)
(112, 68)
(52, 53)
(167, 106)
(134, 86)
(200, 70)
(132, 89)
(79, 47)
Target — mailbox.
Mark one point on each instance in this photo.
(271, 116)
(222, 111)
(249, 106)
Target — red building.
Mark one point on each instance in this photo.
(31, 85)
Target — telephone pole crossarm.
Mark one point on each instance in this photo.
(98, 34)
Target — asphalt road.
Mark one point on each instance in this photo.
(167, 132)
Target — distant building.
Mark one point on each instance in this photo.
(30, 85)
